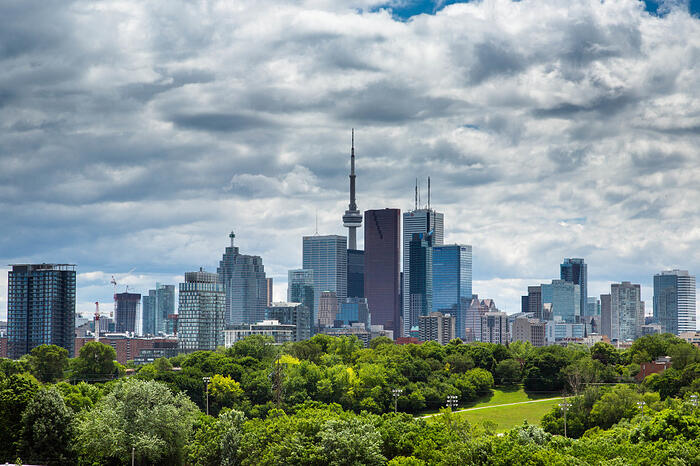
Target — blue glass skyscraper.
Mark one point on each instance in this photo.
(327, 256)
(674, 301)
(576, 271)
(565, 298)
(40, 307)
(452, 282)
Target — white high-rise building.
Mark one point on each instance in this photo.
(417, 221)
(626, 311)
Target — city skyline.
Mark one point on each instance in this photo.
(596, 158)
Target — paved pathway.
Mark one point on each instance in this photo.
(497, 406)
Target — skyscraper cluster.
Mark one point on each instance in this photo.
(406, 283)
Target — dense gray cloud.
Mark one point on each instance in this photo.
(137, 134)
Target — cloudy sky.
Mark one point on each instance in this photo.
(135, 135)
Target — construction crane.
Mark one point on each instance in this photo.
(114, 308)
(97, 321)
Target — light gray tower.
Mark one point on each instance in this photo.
(352, 219)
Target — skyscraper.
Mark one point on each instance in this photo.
(452, 282)
(352, 219)
(245, 284)
(534, 300)
(565, 297)
(417, 221)
(292, 314)
(269, 291)
(356, 273)
(327, 309)
(155, 309)
(626, 311)
(201, 312)
(382, 265)
(606, 315)
(327, 256)
(576, 271)
(494, 327)
(300, 289)
(420, 286)
(40, 307)
(126, 311)
(674, 301)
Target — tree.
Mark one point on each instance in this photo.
(579, 374)
(48, 362)
(47, 429)
(224, 390)
(508, 372)
(95, 362)
(16, 392)
(605, 353)
(351, 441)
(620, 403)
(144, 415)
(380, 340)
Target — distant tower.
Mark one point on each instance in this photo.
(352, 219)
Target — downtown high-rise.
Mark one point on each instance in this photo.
(674, 301)
(201, 310)
(452, 282)
(327, 257)
(626, 311)
(576, 271)
(382, 267)
(126, 312)
(40, 307)
(245, 284)
(418, 221)
(156, 307)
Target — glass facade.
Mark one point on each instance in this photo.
(674, 301)
(417, 221)
(126, 312)
(155, 309)
(292, 314)
(245, 284)
(576, 272)
(452, 282)
(420, 286)
(327, 256)
(382, 265)
(300, 289)
(201, 310)
(40, 307)
(353, 310)
(565, 298)
(356, 273)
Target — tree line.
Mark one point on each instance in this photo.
(330, 400)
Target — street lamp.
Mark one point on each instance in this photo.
(564, 407)
(206, 383)
(452, 401)
(640, 405)
(396, 393)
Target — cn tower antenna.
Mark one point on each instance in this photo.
(352, 219)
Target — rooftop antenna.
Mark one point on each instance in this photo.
(232, 236)
(419, 201)
(416, 205)
(428, 193)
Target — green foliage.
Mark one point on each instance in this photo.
(95, 362)
(136, 414)
(16, 392)
(543, 369)
(605, 353)
(508, 372)
(650, 347)
(47, 429)
(48, 362)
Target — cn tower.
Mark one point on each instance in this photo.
(352, 219)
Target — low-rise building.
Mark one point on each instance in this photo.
(126, 346)
(281, 333)
(691, 337)
(655, 367)
(296, 314)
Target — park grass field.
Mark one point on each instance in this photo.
(489, 408)
(507, 417)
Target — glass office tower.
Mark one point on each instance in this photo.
(565, 298)
(126, 312)
(382, 267)
(576, 271)
(327, 256)
(356, 273)
(417, 221)
(245, 284)
(40, 307)
(155, 309)
(300, 289)
(452, 282)
(420, 287)
(674, 301)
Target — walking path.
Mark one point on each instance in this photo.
(497, 406)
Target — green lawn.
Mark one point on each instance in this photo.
(507, 417)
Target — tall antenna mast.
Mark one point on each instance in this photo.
(419, 201)
(352, 219)
(428, 193)
(416, 202)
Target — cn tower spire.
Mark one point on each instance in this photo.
(352, 219)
